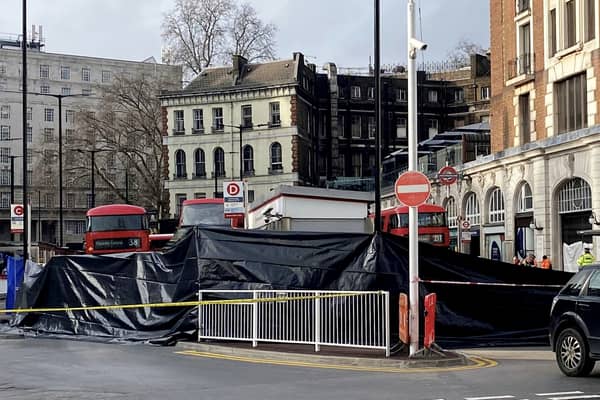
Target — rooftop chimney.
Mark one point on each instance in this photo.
(239, 62)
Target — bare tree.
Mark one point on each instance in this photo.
(200, 33)
(124, 137)
(460, 55)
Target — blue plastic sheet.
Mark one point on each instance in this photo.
(14, 271)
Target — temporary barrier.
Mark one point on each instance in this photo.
(429, 336)
(331, 318)
(15, 271)
(403, 318)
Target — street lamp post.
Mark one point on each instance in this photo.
(241, 128)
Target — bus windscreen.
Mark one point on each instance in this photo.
(203, 214)
(106, 223)
(434, 219)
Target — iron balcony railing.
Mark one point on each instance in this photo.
(522, 65)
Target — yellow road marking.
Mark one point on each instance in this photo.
(480, 362)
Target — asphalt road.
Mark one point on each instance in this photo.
(62, 369)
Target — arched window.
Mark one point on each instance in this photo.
(472, 213)
(276, 162)
(199, 164)
(219, 161)
(496, 207)
(525, 203)
(574, 196)
(180, 171)
(452, 212)
(248, 159)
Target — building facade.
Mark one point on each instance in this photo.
(303, 127)
(540, 189)
(80, 80)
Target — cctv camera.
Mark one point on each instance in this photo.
(417, 44)
(267, 211)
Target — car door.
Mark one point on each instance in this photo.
(588, 307)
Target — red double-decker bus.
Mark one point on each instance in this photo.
(432, 222)
(117, 228)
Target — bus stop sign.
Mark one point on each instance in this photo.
(412, 188)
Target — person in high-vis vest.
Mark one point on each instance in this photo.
(586, 258)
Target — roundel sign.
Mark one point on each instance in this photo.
(18, 210)
(412, 188)
(233, 189)
(447, 175)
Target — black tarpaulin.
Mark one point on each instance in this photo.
(219, 259)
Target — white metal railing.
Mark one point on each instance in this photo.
(331, 318)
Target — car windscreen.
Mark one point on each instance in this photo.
(203, 214)
(575, 284)
(106, 223)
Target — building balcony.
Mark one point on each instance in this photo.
(521, 66)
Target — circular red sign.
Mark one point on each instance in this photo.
(466, 224)
(447, 175)
(412, 188)
(233, 189)
(18, 210)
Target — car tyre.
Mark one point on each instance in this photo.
(572, 353)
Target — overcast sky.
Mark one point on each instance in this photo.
(340, 31)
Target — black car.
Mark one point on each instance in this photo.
(575, 323)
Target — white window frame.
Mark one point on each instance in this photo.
(5, 132)
(106, 76)
(85, 74)
(484, 93)
(472, 210)
(432, 127)
(371, 93)
(44, 89)
(401, 95)
(198, 120)
(401, 127)
(49, 114)
(44, 71)
(179, 121)
(355, 92)
(452, 212)
(274, 114)
(496, 206)
(218, 118)
(525, 198)
(432, 96)
(65, 73)
(5, 112)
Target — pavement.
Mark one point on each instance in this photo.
(331, 357)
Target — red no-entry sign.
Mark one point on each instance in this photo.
(412, 188)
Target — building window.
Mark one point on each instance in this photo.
(44, 71)
(85, 74)
(574, 196)
(5, 176)
(179, 123)
(180, 171)
(525, 203)
(219, 165)
(571, 101)
(372, 127)
(29, 114)
(4, 132)
(452, 213)
(86, 92)
(524, 62)
(217, 119)
(570, 24)
(4, 198)
(341, 126)
(432, 127)
(75, 227)
(248, 160)
(69, 134)
(199, 164)
(485, 93)
(5, 112)
(356, 126)
(49, 114)
(472, 212)
(459, 96)
(198, 121)
(247, 116)
(401, 95)
(106, 76)
(496, 210)
(65, 91)
(200, 195)
(29, 134)
(48, 135)
(355, 92)
(179, 199)
(44, 89)
(590, 22)
(432, 96)
(274, 114)
(65, 73)
(523, 5)
(276, 158)
(401, 127)
(357, 164)
(4, 154)
(371, 93)
(524, 118)
(552, 32)
(70, 116)
(70, 200)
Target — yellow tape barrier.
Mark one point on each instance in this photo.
(178, 304)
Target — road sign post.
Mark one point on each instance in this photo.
(233, 199)
(17, 212)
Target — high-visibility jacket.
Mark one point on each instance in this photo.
(546, 264)
(585, 259)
